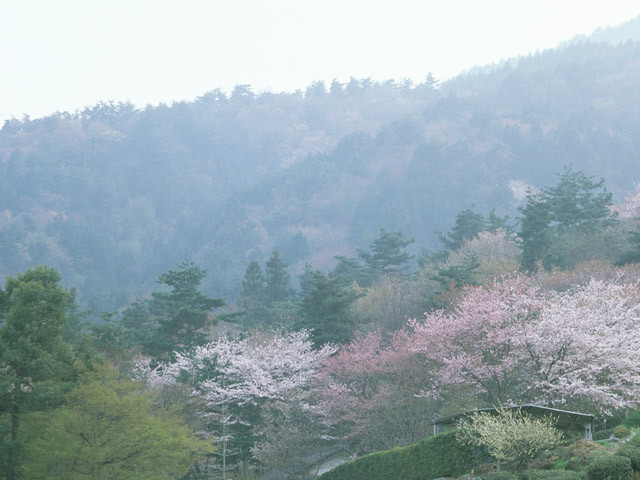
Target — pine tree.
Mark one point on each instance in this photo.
(468, 225)
(578, 201)
(387, 255)
(180, 316)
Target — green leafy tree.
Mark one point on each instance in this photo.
(387, 255)
(325, 309)
(108, 428)
(277, 279)
(35, 363)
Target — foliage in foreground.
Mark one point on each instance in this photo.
(107, 428)
(438, 456)
(610, 468)
(511, 435)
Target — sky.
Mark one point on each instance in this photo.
(64, 55)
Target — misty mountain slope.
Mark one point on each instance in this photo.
(114, 196)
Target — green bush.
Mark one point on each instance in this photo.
(633, 420)
(438, 456)
(633, 441)
(602, 434)
(498, 476)
(632, 452)
(621, 431)
(614, 467)
(552, 475)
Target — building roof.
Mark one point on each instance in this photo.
(563, 418)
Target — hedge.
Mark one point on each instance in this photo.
(632, 452)
(551, 475)
(615, 467)
(438, 456)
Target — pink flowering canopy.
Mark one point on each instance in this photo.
(510, 343)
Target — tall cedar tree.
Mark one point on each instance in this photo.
(277, 279)
(35, 363)
(253, 284)
(325, 309)
(536, 233)
(180, 317)
(252, 296)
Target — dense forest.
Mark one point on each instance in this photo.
(113, 195)
(237, 284)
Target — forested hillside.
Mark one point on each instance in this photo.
(112, 196)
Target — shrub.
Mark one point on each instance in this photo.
(438, 456)
(632, 452)
(498, 476)
(615, 467)
(552, 475)
(633, 420)
(635, 441)
(621, 431)
(602, 434)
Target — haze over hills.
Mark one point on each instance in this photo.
(113, 196)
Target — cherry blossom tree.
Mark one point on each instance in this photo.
(630, 208)
(370, 392)
(476, 344)
(509, 342)
(584, 349)
(234, 377)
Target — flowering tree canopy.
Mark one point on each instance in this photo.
(509, 342)
(476, 344)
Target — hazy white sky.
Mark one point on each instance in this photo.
(66, 54)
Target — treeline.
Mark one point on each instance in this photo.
(113, 195)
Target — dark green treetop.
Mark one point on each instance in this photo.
(468, 225)
(536, 233)
(578, 201)
(388, 255)
(175, 320)
(35, 363)
(277, 279)
(325, 308)
(253, 283)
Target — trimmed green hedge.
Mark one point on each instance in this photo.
(438, 456)
(551, 475)
(615, 467)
